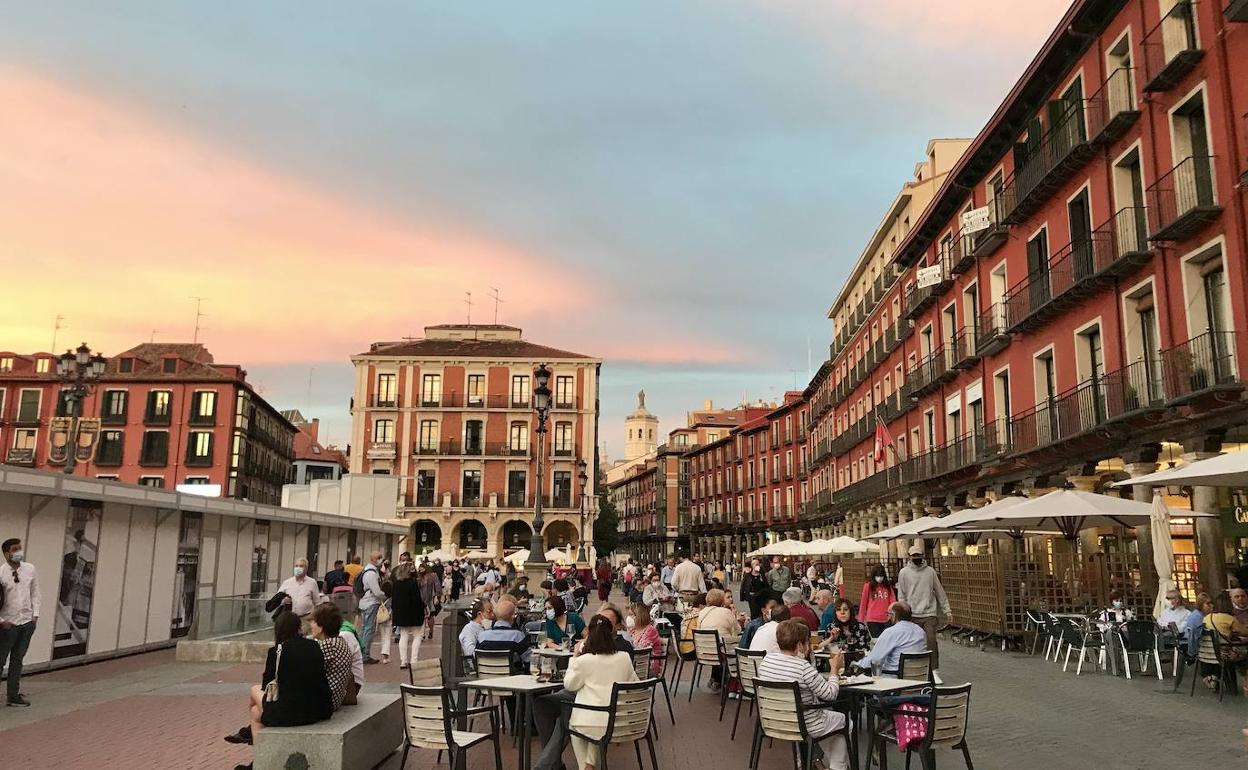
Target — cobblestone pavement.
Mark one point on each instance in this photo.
(149, 712)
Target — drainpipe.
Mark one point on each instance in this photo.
(1238, 213)
(1162, 257)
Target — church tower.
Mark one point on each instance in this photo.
(641, 431)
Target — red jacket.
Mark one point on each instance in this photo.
(873, 608)
(805, 614)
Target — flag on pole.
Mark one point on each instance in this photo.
(883, 439)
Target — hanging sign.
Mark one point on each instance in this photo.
(976, 219)
(928, 276)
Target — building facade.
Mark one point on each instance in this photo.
(313, 460)
(169, 416)
(452, 415)
(641, 429)
(1063, 310)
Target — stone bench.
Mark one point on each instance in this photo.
(361, 737)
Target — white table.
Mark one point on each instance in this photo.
(527, 688)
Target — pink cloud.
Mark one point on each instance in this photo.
(114, 221)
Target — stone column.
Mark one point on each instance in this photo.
(957, 543)
(1209, 542)
(1143, 493)
(1085, 481)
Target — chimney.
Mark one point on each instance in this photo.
(708, 405)
(313, 428)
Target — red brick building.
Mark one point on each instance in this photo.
(751, 483)
(169, 416)
(1065, 309)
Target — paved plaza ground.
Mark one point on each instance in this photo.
(148, 711)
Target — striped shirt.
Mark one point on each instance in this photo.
(815, 689)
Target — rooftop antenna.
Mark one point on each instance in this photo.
(468, 302)
(497, 302)
(794, 371)
(152, 338)
(311, 371)
(809, 371)
(199, 301)
(57, 325)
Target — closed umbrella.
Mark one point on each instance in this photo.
(1163, 552)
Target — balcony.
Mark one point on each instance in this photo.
(1072, 414)
(1112, 109)
(952, 456)
(930, 372)
(1183, 200)
(1202, 366)
(1064, 279)
(380, 450)
(387, 401)
(965, 348)
(1120, 245)
(958, 253)
(1134, 390)
(984, 242)
(1059, 153)
(1170, 48)
(1236, 10)
(992, 335)
(920, 298)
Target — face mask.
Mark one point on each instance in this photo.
(1117, 604)
(298, 571)
(630, 622)
(550, 614)
(916, 560)
(879, 578)
(487, 623)
(17, 556)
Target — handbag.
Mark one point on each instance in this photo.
(270, 690)
(383, 613)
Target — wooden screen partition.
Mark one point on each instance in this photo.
(976, 591)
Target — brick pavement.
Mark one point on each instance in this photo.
(149, 712)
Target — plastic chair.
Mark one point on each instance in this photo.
(782, 717)
(629, 720)
(747, 672)
(428, 716)
(492, 664)
(708, 650)
(641, 664)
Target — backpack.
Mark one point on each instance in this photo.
(357, 587)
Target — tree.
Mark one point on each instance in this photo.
(606, 526)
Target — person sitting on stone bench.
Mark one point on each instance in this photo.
(295, 689)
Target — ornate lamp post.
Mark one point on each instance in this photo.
(78, 370)
(536, 563)
(582, 478)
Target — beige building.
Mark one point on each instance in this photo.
(452, 415)
(641, 430)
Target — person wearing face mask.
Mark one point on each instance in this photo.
(752, 588)
(302, 594)
(560, 623)
(791, 664)
(482, 618)
(919, 586)
(656, 592)
(1117, 613)
(19, 614)
(877, 596)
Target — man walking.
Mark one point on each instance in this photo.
(371, 597)
(302, 594)
(687, 577)
(665, 574)
(19, 613)
(919, 586)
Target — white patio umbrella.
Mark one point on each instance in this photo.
(443, 555)
(519, 557)
(1163, 552)
(557, 556)
(906, 528)
(844, 544)
(477, 556)
(1063, 512)
(1225, 470)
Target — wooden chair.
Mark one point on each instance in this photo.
(948, 715)
(915, 665)
(641, 663)
(428, 717)
(708, 650)
(492, 664)
(672, 653)
(782, 717)
(747, 672)
(629, 720)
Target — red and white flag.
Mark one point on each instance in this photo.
(883, 439)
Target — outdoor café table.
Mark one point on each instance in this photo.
(858, 693)
(526, 687)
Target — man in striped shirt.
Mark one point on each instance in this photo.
(792, 664)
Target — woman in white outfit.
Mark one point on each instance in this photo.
(407, 612)
(591, 675)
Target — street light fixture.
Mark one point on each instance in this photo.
(541, 404)
(582, 478)
(79, 371)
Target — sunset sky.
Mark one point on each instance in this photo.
(677, 187)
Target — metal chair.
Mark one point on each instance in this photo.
(428, 716)
(1039, 624)
(782, 717)
(1139, 637)
(629, 720)
(641, 663)
(915, 665)
(708, 650)
(1210, 653)
(747, 672)
(1086, 638)
(672, 654)
(492, 664)
(948, 715)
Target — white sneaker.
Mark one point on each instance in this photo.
(936, 678)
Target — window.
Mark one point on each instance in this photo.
(431, 390)
(113, 407)
(383, 431)
(28, 402)
(426, 486)
(1045, 377)
(106, 476)
(158, 407)
(1092, 366)
(157, 482)
(155, 450)
(126, 366)
(563, 439)
(387, 389)
(1038, 270)
(169, 366)
(25, 438)
(474, 431)
(204, 407)
(63, 403)
(6, 364)
(518, 439)
(476, 389)
(472, 488)
(43, 365)
(520, 391)
(195, 480)
(1193, 172)
(2, 405)
(199, 448)
(561, 484)
(564, 392)
(1131, 221)
(109, 449)
(929, 425)
(517, 483)
(428, 436)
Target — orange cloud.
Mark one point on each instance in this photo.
(114, 220)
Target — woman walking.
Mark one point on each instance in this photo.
(407, 613)
(431, 595)
(877, 595)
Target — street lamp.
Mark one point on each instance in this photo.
(541, 403)
(78, 370)
(582, 478)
